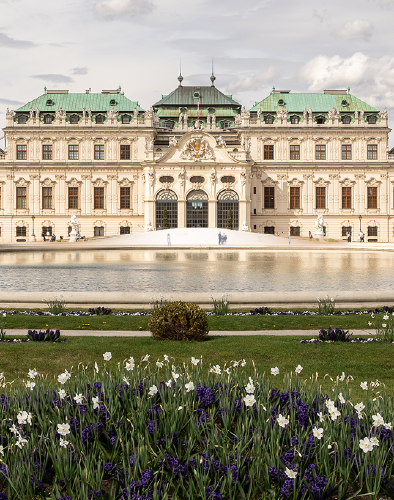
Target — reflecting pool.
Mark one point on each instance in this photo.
(196, 270)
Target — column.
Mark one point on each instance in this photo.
(181, 213)
(212, 213)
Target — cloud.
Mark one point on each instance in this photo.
(8, 102)
(54, 78)
(6, 41)
(80, 71)
(112, 9)
(253, 82)
(355, 30)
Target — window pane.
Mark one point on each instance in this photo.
(269, 197)
(346, 197)
(47, 197)
(372, 153)
(268, 151)
(73, 152)
(73, 197)
(294, 197)
(125, 151)
(320, 197)
(99, 198)
(99, 152)
(125, 197)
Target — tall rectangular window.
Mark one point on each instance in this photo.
(294, 197)
(320, 151)
(125, 152)
(320, 197)
(46, 198)
(269, 197)
(21, 197)
(346, 151)
(372, 197)
(21, 152)
(47, 152)
(73, 151)
(21, 231)
(73, 197)
(346, 197)
(124, 197)
(99, 151)
(295, 152)
(268, 151)
(99, 198)
(372, 152)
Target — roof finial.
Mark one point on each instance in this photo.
(213, 77)
(180, 77)
(45, 89)
(273, 89)
(348, 90)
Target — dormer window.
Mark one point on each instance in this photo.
(268, 119)
(226, 124)
(211, 110)
(344, 103)
(346, 120)
(183, 110)
(48, 119)
(112, 102)
(320, 120)
(169, 124)
(22, 119)
(196, 95)
(50, 102)
(99, 119)
(371, 119)
(126, 119)
(294, 119)
(281, 102)
(74, 119)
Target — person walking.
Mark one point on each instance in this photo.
(349, 237)
(289, 239)
(220, 237)
(168, 239)
(310, 235)
(361, 236)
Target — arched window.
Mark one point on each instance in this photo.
(126, 119)
(226, 124)
(197, 209)
(22, 119)
(166, 179)
(371, 119)
(294, 119)
(74, 119)
(48, 119)
(227, 179)
(228, 210)
(320, 120)
(268, 119)
(99, 119)
(197, 179)
(346, 120)
(166, 209)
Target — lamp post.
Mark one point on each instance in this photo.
(360, 217)
(361, 234)
(33, 236)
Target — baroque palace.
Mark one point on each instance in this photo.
(196, 153)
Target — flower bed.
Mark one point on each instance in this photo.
(153, 430)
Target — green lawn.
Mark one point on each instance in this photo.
(215, 322)
(363, 361)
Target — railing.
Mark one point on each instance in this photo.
(390, 156)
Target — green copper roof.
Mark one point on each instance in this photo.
(319, 103)
(76, 102)
(184, 96)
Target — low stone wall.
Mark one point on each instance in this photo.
(245, 300)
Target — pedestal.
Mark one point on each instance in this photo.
(319, 235)
(73, 234)
(32, 238)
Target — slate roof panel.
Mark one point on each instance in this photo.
(209, 96)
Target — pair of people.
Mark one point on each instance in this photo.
(222, 238)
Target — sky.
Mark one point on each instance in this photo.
(297, 45)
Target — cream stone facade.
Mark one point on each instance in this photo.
(196, 159)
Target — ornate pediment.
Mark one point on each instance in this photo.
(197, 148)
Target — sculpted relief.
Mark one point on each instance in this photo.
(197, 149)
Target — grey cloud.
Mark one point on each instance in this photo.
(6, 41)
(80, 71)
(355, 30)
(253, 82)
(117, 9)
(8, 102)
(54, 78)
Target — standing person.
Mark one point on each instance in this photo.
(289, 239)
(168, 239)
(310, 235)
(220, 237)
(43, 236)
(349, 237)
(361, 236)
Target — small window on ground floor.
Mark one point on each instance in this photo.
(47, 231)
(269, 229)
(346, 230)
(125, 230)
(372, 231)
(99, 230)
(21, 231)
(294, 231)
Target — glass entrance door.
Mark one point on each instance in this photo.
(197, 209)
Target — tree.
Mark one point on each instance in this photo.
(165, 224)
(229, 223)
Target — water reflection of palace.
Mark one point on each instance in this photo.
(196, 158)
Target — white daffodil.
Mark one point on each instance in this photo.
(334, 413)
(169, 383)
(330, 404)
(243, 363)
(21, 442)
(282, 421)
(298, 369)
(130, 366)
(364, 385)
(292, 474)
(126, 381)
(342, 377)
(359, 407)
(32, 374)
(227, 370)
(321, 416)
(152, 390)
(1, 450)
(146, 358)
(377, 420)
(195, 361)
(107, 356)
(372, 315)
(61, 393)
(369, 323)
(384, 325)
(189, 386)
(63, 443)
(96, 367)
(62, 378)
(63, 429)
(30, 385)
(24, 417)
(341, 398)
(366, 445)
(386, 317)
(250, 388)
(95, 403)
(180, 408)
(275, 371)
(13, 429)
(78, 398)
(374, 441)
(388, 425)
(235, 364)
(166, 358)
(215, 369)
(249, 400)
(175, 375)
(318, 432)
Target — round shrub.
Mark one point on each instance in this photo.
(179, 321)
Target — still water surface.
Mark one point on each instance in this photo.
(197, 270)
